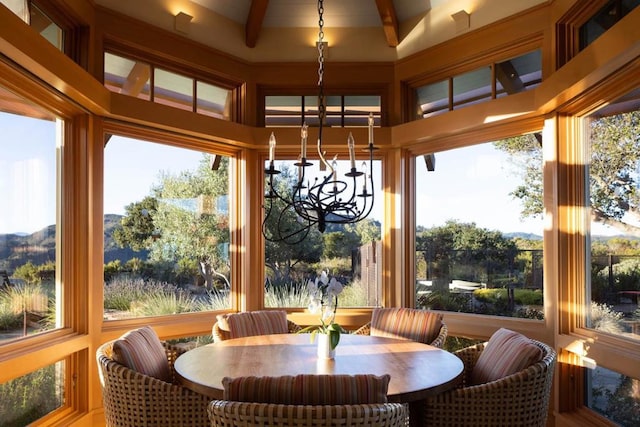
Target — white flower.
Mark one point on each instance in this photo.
(328, 314)
(324, 278)
(335, 288)
(315, 305)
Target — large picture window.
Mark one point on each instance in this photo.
(166, 230)
(29, 297)
(479, 229)
(349, 252)
(614, 289)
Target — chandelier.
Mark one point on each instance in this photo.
(290, 213)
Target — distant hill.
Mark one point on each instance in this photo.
(526, 236)
(39, 247)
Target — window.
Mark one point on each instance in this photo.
(32, 396)
(604, 19)
(134, 78)
(482, 84)
(29, 296)
(341, 111)
(172, 89)
(613, 395)
(479, 231)
(46, 27)
(126, 76)
(166, 230)
(614, 135)
(348, 252)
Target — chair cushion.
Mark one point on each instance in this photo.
(246, 324)
(400, 322)
(506, 353)
(308, 389)
(142, 351)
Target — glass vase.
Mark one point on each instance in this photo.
(324, 347)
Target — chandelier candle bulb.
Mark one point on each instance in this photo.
(303, 142)
(364, 178)
(272, 147)
(370, 128)
(352, 148)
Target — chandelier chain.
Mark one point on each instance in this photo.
(321, 98)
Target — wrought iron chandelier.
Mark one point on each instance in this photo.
(291, 213)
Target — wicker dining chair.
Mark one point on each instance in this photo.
(259, 322)
(132, 399)
(520, 399)
(411, 323)
(225, 413)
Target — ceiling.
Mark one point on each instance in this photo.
(356, 30)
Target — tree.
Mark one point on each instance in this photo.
(613, 172)
(192, 219)
(526, 156)
(368, 230)
(478, 250)
(137, 229)
(340, 244)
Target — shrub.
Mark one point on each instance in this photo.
(605, 319)
(214, 300)
(293, 294)
(163, 303)
(121, 292)
(30, 397)
(8, 318)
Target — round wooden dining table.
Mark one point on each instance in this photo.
(417, 370)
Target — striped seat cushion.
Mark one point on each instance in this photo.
(247, 324)
(400, 322)
(506, 353)
(308, 389)
(142, 351)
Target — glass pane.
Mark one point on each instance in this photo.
(283, 111)
(346, 251)
(166, 231)
(472, 87)
(518, 74)
(479, 230)
(334, 111)
(28, 241)
(358, 108)
(126, 76)
(45, 26)
(213, 101)
(432, 99)
(604, 19)
(32, 396)
(614, 395)
(615, 203)
(311, 110)
(173, 89)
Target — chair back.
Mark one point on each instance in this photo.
(411, 323)
(225, 413)
(132, 399)
(251, 323)
(520, 399)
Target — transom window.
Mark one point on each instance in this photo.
(146, 81)
(494, 81)
(341, 110)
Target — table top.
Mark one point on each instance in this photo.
(417, 370)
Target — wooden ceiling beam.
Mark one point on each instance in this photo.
(389, 21)
(254, 21)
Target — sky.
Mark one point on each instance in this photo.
(471, 184)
